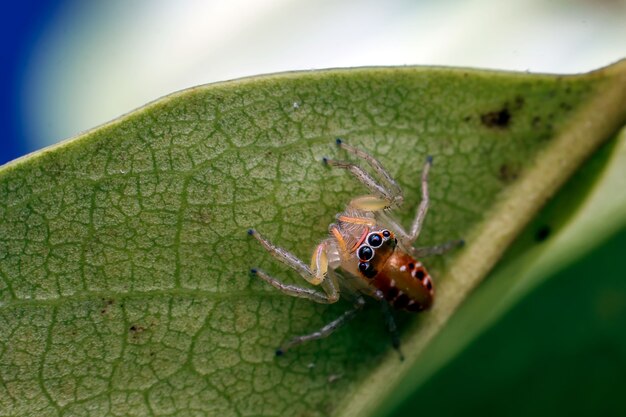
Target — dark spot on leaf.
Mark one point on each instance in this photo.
(107, 303)
(565, 106)
(499, 119)
(136, 329)
(543, 233)
(508, 173)
(467, 118)
(536, 121)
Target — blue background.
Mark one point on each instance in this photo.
(21, 26)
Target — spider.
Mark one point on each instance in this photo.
(367, 253)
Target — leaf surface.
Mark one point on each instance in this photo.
(124, 258)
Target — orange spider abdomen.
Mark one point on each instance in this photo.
(405, 283)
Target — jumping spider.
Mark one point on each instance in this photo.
(368, 246)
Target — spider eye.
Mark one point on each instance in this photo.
(367, 269)
(365, 253)
(375, 240)
(386, 234)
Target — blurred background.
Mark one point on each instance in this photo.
(71, 65)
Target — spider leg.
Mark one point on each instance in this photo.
(361, 175)
(408, 238)
(317, 274)
(422, 209)
(376, 166)
(324, 331)
(389, 191)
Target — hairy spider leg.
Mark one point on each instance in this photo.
(317, 274)
(392, 185)
(386, 193)
(325, 331)
(408, 238)
(379, 191)
(422, 209)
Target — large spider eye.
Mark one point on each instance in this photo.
(375, 240)
(365, 253)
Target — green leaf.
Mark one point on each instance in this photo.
(124, 258)
(545, 334)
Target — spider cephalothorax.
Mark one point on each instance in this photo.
(367, 244)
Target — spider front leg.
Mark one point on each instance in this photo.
(386, 192)
(316, 274)
(408, 238)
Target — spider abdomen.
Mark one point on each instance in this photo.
(405, 283)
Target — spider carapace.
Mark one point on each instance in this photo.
(366, 253)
